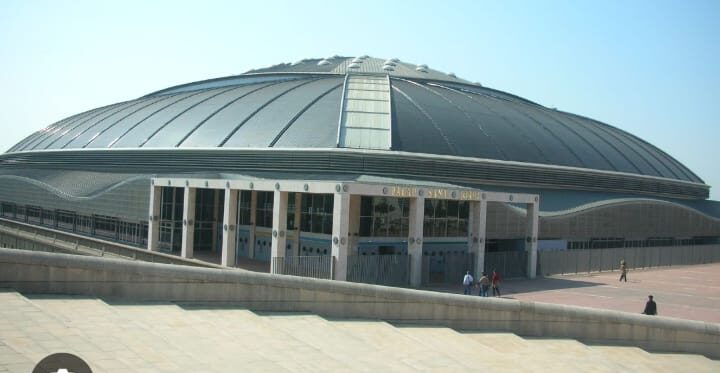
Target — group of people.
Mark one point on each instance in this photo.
(483, 284)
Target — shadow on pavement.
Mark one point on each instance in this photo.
(515, 286)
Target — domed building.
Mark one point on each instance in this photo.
(352, 157)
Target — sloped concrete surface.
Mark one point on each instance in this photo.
(117, 336)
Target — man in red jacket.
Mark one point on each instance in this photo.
(496, 283)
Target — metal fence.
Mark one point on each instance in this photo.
(24, 236)
(446, 268)
(511, 264)
(393, 270)
(598, 260)
(318, 266)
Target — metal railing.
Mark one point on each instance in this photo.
(598, 260)
(318, 266)
(24, 236)
(511, 264)
(393, 270)
(446, 268)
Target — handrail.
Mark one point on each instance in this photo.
(91, 245)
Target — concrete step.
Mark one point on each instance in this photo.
(637, 359)
(339, 345)
(566, 353)
(165, 337)
(505, 351)
(500, 342)
(634, 358)
(107, 340)
(691, 363)
(256, 339)
(398, 346)
(463, 350)
(558, 346)
(199, 340)
(29, 331)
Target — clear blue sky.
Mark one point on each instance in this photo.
(651, 68)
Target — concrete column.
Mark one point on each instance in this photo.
(532, 210)
(279, 229)
(188, 233)
(253, 224)
(354, 227)
(473, 210)
(298, 221)
(154, 218)
(415, 239)
(341, 224)
(478, 211)
(216, 206)
(229, 237)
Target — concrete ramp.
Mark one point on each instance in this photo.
(168, 337)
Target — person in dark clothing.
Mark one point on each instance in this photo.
(650, 306)
(495, 283)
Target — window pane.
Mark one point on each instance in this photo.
(380, 205)
(327, 224)
(405, 206)
(366, 206)
(365, 226)
(440, 227)
(452, 227)
(430, 208)
(306, 203)
(317, 223)
(441, 209)
(379, 226)
(404, 232)
(318, 202)
(464, 210)
(306, 223)
(463, 227)
(452, 207)
(329, 202)
(394, 224)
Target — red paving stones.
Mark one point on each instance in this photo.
(685, 292)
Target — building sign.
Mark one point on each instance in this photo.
(435, 193)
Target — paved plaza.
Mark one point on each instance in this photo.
(684, 292)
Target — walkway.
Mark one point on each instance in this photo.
(685, 292)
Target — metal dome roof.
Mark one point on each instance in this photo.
(360, 103)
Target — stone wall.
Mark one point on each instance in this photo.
(36, 272)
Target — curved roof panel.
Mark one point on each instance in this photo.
(307, 104)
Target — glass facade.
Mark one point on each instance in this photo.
(446, 218)
(208, 217)
(264, 212)
(244, 204)
(171, 216)
(388, 217)
(316, 213)
(384, 217)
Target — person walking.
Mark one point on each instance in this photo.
(496, 283)
(623, 271)
(650, 306)
(467, 282)
(484, 285)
